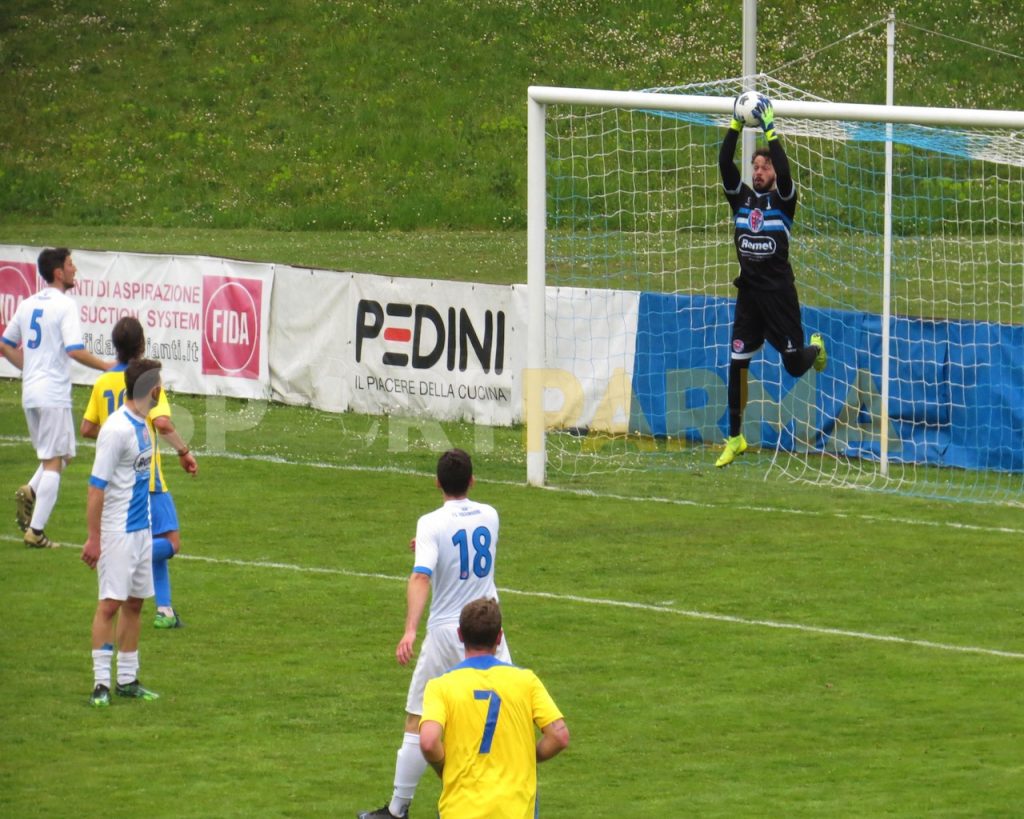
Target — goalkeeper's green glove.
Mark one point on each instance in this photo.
(736, 125)
(765, 114)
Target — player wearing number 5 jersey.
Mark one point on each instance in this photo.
(456, 547)
(40, 340)
(478, 724)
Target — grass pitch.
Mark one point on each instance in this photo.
(734, 648)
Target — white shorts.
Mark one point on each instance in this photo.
(52, 431)
(441, 650)
(126, 565)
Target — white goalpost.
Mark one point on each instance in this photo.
(908, 247)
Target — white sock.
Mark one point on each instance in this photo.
(46, 498)
(34, 480)
(409, 767)
(101, 659)
(127, 667)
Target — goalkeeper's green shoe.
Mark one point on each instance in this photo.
(736, 445)
(135, 691)
(822, 358)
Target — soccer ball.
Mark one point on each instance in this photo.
(743, 108)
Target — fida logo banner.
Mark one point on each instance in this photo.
(18, 281)
(232, 335)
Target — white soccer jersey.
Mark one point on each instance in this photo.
(124, 453)
(456, 546)
(47, 325)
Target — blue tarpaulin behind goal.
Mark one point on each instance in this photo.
(956, 388)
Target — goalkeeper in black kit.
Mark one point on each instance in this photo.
(767, 306)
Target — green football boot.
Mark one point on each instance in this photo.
(736, 445)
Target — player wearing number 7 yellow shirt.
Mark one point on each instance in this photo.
(477, 729)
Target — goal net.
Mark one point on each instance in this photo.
(918, 288)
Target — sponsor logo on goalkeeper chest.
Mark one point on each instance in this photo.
(17, 283)
(422, 336)
(756, 245)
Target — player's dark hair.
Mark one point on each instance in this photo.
(50, 259)
(454, 472)
(480, 623)
(129, 339)
(761, 152)
(140, 377)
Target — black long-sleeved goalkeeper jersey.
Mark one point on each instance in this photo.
(761, 220)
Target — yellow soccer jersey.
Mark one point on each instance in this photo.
(487, 710)
(108, 396)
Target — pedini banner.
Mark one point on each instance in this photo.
(447, 350)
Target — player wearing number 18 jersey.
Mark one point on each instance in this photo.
(456, 547)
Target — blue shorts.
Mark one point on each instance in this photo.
(165, 516)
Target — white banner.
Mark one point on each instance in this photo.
(205, 319)
(447, 350)
(310, 334)
(590, 343)
(345, 341)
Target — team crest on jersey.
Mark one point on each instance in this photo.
(756, 220)
(737, 345)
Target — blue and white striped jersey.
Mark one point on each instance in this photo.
(124, 455)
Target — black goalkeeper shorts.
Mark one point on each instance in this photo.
(766, 314)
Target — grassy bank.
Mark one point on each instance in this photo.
(488, 257)
(321, 116)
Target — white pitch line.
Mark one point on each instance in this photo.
(623, 604)
(9, 440)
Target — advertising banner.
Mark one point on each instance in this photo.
(205, 319)
(311, 338)
(18, 281)
(956, 388)
(591, 347)
(445, 350)
(617, 361)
